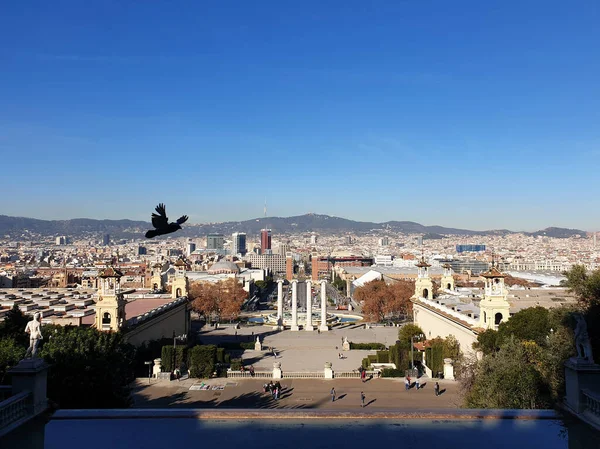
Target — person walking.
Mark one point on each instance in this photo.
(332, 394)
(436, 389)
(417, 383)
(406, 383)
(362, 399)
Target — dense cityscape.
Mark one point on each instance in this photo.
(286, 224)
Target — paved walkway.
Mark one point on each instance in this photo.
(381, 394)
(303, 351)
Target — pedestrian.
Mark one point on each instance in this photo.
(417, 383)
(332, 394)
(406, 383)
(362, 399)
(436, 389)
(319, 331)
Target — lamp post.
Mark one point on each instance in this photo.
(412, 358)
(149, 370)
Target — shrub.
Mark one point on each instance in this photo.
(202, 360)
(227, 358)
(220, 355)
(167, 357)
(236, 345)
(236, 364)
(434, 356)
(372, 359)
(383, 356)
(390, 372)
(369, 346)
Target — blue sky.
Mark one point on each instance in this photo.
(470, 114)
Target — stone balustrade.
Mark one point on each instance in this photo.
(591, 402)
(14, 410)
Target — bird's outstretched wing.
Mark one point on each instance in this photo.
(182, 219)
(160, 221)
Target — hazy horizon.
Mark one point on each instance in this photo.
(192, 222)
(474, 115)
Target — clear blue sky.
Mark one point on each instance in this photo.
(476, 114)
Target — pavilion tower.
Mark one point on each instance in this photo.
(423, 284)
(158, 281)
(179, 286)
(110, 308)
(447, 278)
(494, 308)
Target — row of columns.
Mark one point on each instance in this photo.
(309, 325)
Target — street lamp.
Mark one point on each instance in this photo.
(412, 359)
(149, 370)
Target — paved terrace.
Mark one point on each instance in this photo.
(381, 394)
(304, 351)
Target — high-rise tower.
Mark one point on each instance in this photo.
(265, 241)
(238, 243)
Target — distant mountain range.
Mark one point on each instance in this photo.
(24, 228)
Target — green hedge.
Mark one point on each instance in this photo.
(236, 364)
(390, 372)
(220, 355)
(236, 345)
(365, 363)
(202, 360)
(399, 356)
(227, 358)
(371, 346)
(434, 357)
(383, 356)
(372, 359)
(167, 357)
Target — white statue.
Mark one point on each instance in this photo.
(34, 329)
(582, 339)
(257, 339)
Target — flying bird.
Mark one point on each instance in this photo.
(161, 223)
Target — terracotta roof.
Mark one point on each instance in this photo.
(110, 272)
(180, 263)
(447, 266)
(493, 273)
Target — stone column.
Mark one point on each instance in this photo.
(280, 305)
(294, 326)
(277, 370)
(328, 372)
(309, 326)
(31, 375)
(448, 369)
(323, 327)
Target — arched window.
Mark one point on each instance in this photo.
(178, 293)
(449, 287)
(484, 317)
(498, 319)
(425, 293)
(155, 286)
(106, 318)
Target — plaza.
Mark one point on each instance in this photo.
(304, 351)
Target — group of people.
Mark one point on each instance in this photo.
(408, 383)
(250, 369)
(273, 388)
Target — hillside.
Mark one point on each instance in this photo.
(23, 228)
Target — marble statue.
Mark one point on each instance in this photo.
(582, 339)
(34, 329)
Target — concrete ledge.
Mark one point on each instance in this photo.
(442, 414)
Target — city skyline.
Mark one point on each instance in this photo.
(480, 117)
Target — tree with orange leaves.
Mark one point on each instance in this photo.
(221, 300)
(381, 300)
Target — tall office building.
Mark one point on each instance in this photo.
(106, 239)
(215, 241)
(265, 241)
(142, 251)
(191, 247)
(238, 243)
